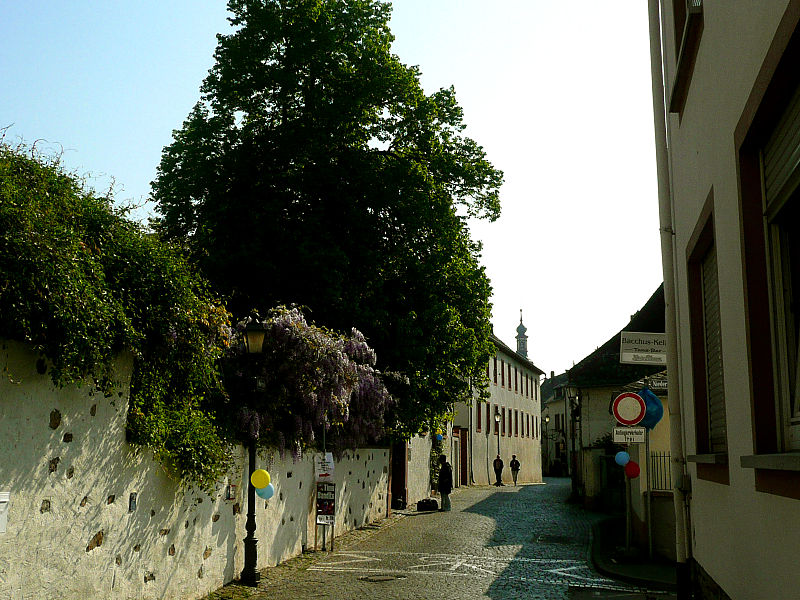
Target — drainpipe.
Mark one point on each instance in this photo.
(682, 548)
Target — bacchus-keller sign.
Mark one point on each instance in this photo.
(637, 348)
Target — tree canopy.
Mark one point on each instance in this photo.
(315, 171)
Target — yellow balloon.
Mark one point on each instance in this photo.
(259, 478)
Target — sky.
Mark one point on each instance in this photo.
(557, 94)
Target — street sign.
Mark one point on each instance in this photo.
(637, 348)
(628, 408)
(629, 435)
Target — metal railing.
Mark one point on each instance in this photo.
(660, 473)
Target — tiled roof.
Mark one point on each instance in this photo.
(602, 367)
(509, 352)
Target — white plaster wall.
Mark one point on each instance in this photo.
(174, 544)
(419, 471)
(746, 540)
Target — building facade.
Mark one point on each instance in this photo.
(727, 116)
(508, 423)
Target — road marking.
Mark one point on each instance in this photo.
(569, 571)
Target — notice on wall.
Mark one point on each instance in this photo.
(5, 500)
(323, 466)
(637, 348)
(326, 503)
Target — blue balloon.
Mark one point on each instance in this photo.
(622, 458)
(266, 492)
(654, 409)
(439, 437)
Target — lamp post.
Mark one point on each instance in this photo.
(254, 334)
(575, 414)
(546, 446)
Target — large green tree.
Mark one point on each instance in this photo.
(316, 171)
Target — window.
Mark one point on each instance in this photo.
(688, 22)
(527, 379)
(516, 380)
(782, 203)
(503, 421)
(706, 342)
(478, 416)
(502, 373)
(495, 370)
(516, 422)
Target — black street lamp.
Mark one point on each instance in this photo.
(546, 446)
(254, 333)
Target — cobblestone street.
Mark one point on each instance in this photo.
(503, 543)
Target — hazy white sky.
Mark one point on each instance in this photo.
(558, 93)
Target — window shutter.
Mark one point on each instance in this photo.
(714, 379)
(782, 154)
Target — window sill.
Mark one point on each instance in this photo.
(787, 461)
(718, 458)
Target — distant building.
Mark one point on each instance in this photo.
(508, 423)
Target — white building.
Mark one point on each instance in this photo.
(508, 423)
(727, 115)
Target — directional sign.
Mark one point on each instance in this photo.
(629, 435)
(628, 408)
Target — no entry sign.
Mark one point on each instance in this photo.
(628, 408)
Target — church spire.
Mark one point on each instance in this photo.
(522, 339)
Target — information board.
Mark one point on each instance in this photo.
(326, 503)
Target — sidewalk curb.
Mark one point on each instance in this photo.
(647, 575)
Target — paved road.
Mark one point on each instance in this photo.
(500, 543)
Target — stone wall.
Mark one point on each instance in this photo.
(90, 516)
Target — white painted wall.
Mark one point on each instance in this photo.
(746, 540)
(419, 455)
(174, 544)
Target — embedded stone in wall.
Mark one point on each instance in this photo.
(85, 500)
(54, 464)
(237, 509)
(67, 438)
(214, 519)
(163, 531)
(118, 560)
(55, 419)
(207, 553)
(93, 410)
(111, 499)
(137, 547)
(172, 550)
(70, 472)
(149, 577)
(96, 541)
(45, 506)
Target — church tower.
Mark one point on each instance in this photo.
(522, 339)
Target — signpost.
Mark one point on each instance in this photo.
(638, 348)
(326, 509)
(629, 435)
(629, 408)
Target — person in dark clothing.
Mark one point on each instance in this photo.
(445, 482)
(514, 464)
(498, 470)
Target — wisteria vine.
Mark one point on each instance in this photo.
(308, 384)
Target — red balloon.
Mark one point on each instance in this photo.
(632, 469)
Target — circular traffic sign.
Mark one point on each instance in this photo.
(629, 408)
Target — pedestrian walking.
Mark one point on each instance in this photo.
(514, 464)
(498, 470)
(445, 482)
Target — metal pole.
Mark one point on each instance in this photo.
(627, 514)
(250, 576)
(648, 489)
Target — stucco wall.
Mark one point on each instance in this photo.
(746, 540)
(70, 474)
(419, 471)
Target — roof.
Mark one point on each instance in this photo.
(602, 367)
(508, 351)
(549, 385)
